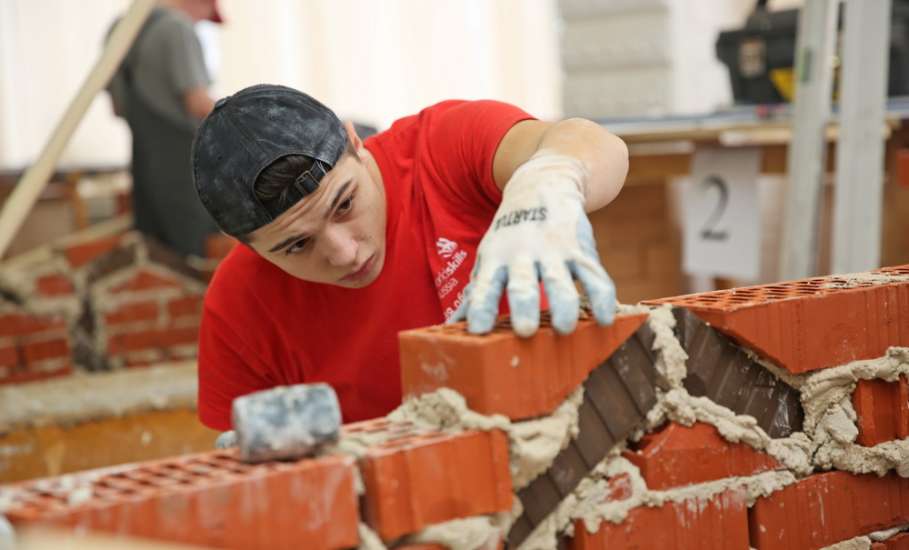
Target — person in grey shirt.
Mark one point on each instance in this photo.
(161, 89)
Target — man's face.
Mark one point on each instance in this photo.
(336, 235)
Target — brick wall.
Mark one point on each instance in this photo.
(750, 474)
(98, 303)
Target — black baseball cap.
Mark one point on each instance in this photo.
(248, 131)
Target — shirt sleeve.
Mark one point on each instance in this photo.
(462, 143)
(224, 372)
(185, 60)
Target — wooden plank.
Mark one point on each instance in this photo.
(51, 450)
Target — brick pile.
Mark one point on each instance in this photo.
(765, 417)
(99, 303)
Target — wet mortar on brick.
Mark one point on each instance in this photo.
(865, 542)
(827, 439)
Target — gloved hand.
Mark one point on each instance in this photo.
(540, 232)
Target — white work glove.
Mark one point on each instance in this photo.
(540, 232)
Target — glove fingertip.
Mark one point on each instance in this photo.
(480, 321)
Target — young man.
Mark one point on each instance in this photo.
(348, 243)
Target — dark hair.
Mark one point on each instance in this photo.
(273, 183)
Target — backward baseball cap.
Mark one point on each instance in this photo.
(247, 132)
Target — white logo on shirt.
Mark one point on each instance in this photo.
(445, 248)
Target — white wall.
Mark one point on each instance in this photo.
(47, 48)
(372, 61)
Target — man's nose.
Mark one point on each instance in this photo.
(339, 246)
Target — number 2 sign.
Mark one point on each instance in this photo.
(722, 214)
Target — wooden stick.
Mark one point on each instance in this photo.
(32, 183)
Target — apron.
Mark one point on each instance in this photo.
(165, 204)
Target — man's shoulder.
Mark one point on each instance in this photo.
(166, 23)
(241, 277)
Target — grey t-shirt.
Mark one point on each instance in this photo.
(166, 62)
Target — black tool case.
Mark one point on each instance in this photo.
(767, 42)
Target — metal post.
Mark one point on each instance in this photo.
(807, 151)
(860, 148)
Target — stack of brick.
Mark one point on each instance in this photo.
(97, 303)
(752, 354)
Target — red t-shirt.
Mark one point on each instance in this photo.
(262, 327)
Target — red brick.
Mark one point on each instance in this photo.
(502, 373)
(896, 542)
(21, 324)
(81, 254)
(9, 356)
(210, 499)
(883, 410)
(145, 280)
(54, 285)
(179, 336)
(24, 374)
(719, 522)
(417, 479)
(151, 339)
(185, 306)
(219, 245)
(45, 349)
(133, 312)
(809, 324)
(827, 508)
(131, 341)
(679, 455)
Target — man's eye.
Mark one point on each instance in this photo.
(345, 206)
(297, 246)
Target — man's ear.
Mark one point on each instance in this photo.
(352, 138)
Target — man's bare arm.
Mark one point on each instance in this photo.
(198, 103)
(604, 155)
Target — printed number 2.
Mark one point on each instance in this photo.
(710, 232)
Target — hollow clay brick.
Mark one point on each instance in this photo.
(827, 508)
(679, 455)
(883, 410)
(810, 324)
(210, 499)
(417, 478)
(617, 397)
(502, 373)
(719, 522)
(896, 542)
(721, 371)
